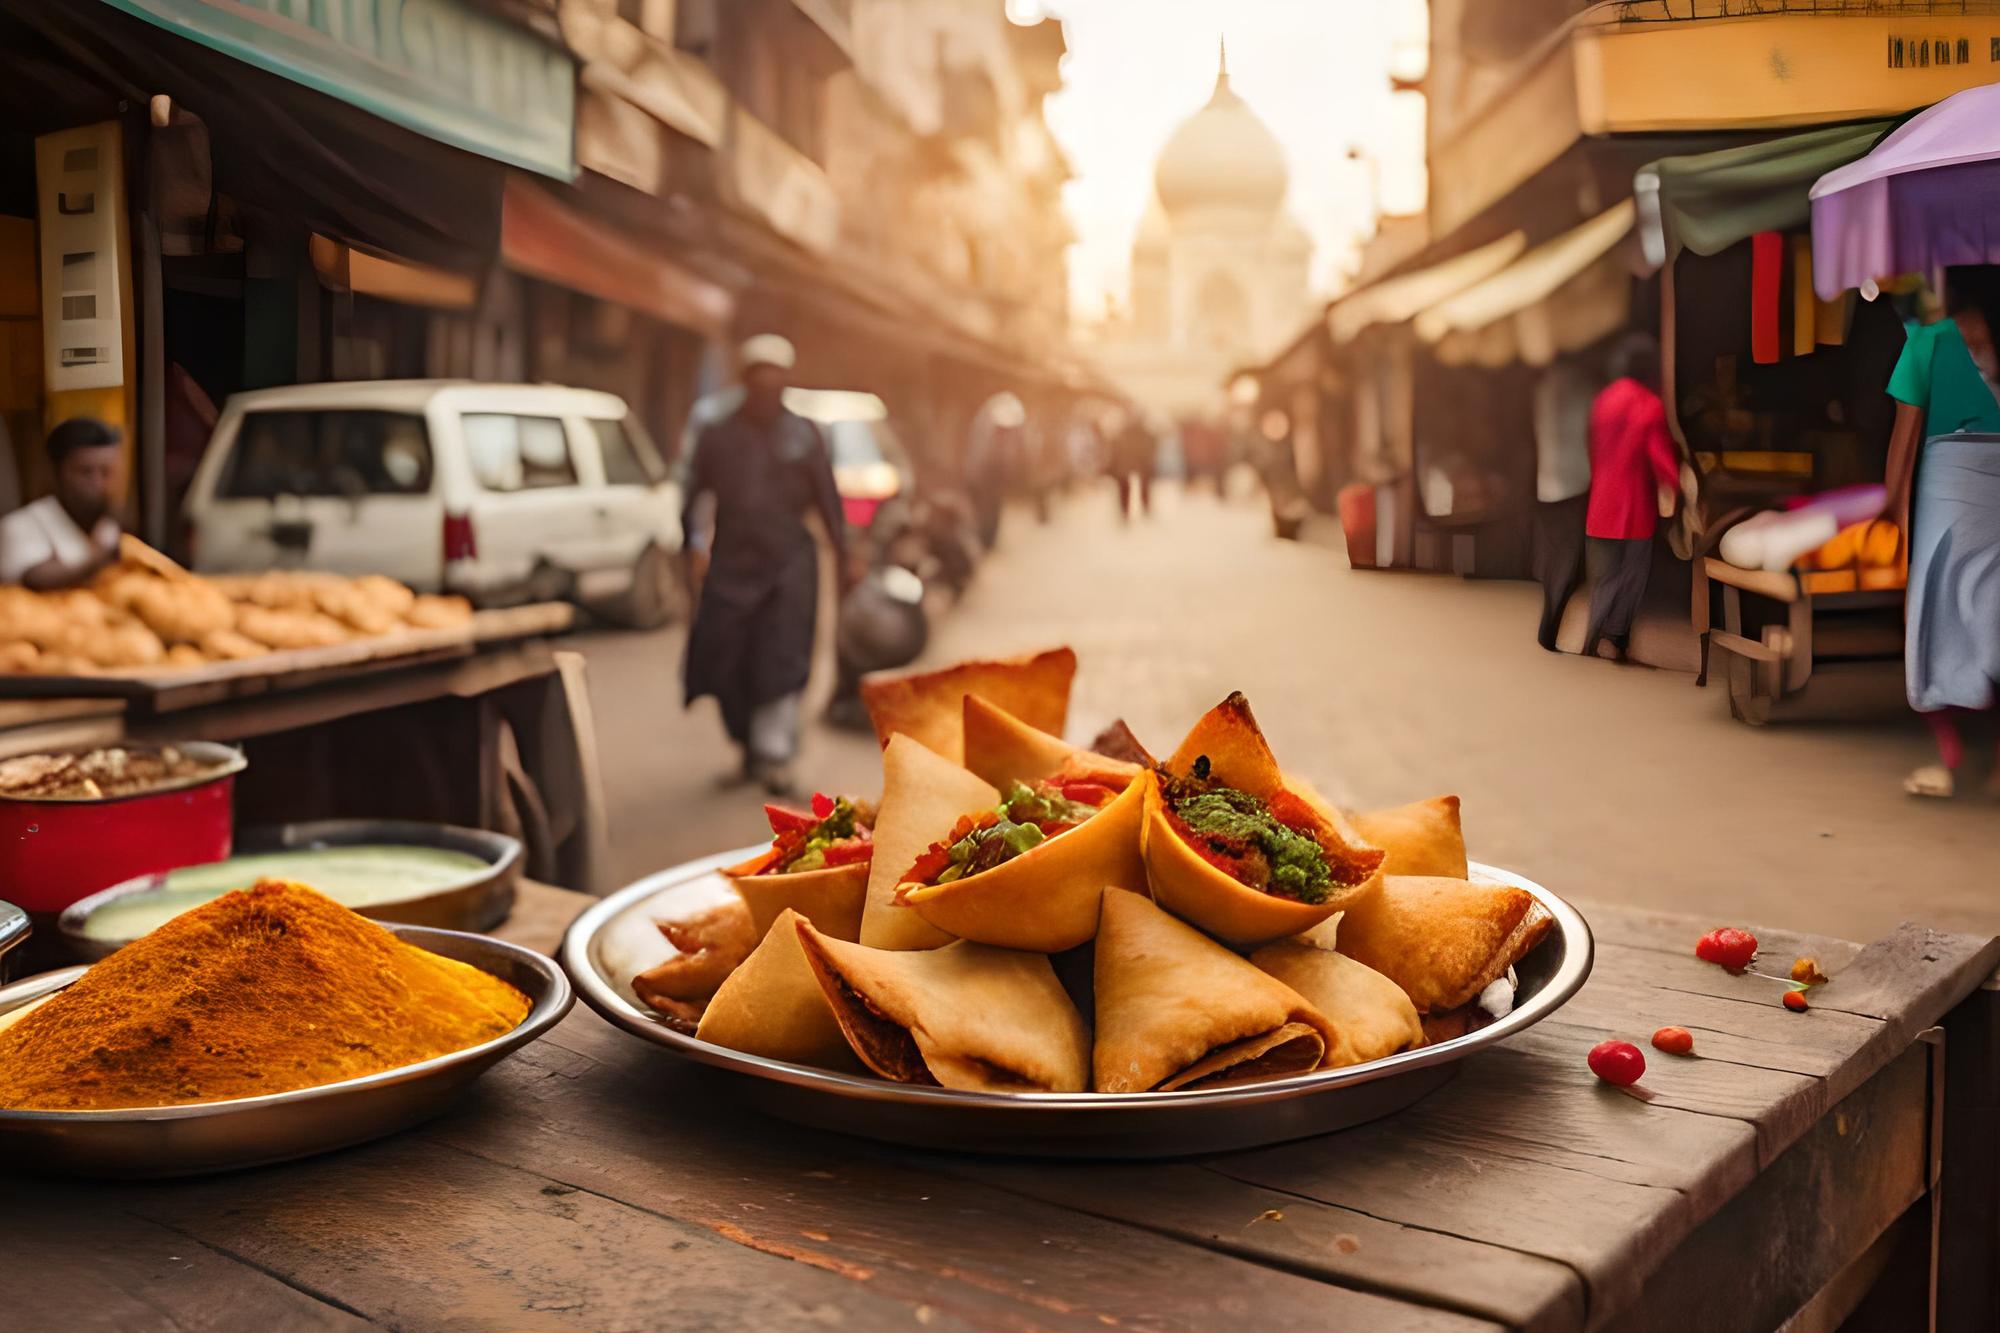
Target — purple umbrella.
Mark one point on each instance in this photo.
(1926, 197)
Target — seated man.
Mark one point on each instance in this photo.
(60, 540)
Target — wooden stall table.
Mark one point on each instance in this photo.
(1827, 1167)
(487, 726)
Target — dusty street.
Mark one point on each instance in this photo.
(1601, 781)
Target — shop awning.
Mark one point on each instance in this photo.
(1707, 202)
(1396, 299)
(1926, 197)
(1533, 278)
(543, 237)
(449, 69)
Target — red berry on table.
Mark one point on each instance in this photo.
(1795, 1000)
(1727, 947)
(1617, 1062)
(1674, 1041)
(822, 804)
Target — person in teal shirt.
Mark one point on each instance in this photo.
(1944, 492)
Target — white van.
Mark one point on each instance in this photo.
(497, 491)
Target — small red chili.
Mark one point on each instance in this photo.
(1674, 1041)
(1617, 1062)
(1795, 1000)
(1727, 947)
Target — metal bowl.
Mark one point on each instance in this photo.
(477, 904)
(254, 1131)
(1090, 1125)
(14, 929)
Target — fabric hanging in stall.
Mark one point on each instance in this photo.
(1805, 306)
(1767, 273)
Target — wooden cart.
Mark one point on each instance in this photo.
(1801, 628)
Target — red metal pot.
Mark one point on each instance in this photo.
(53, 852)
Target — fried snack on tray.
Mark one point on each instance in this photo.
(929, 705)
(1421, 838)
(185, 655)
(922, 793)
(1027, 873)
(773, 1006)
(817, 865)
(354, 609)
(1177, 1010)
(289, 629)
(385, 593)
(965, 1016)
(1371, 1016)
(1001, 748)
(711, 946)
(1442, 940)
(183, 610)
(1235, 849)
(19, 657)
(431, 611)
(226, 645)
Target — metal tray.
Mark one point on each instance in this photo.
(1084, 1125)
(254, 1131)
(477, 904)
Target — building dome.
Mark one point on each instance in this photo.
(1222, 157)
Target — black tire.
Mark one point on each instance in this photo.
(655, 597)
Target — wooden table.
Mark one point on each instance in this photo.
(592, 1182)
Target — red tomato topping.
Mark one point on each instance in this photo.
(849, 851)
(1795, 1000)
(1618, 1062)
(787, 821)
(1674, 1041)
(1086, 792)
(1727, 947)
(822, 805)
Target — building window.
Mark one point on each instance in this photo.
(1896, 52)
(1964, 52)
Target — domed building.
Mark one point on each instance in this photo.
(1219, 267)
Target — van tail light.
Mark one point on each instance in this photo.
(459, 541)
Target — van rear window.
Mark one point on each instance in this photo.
(328, 452)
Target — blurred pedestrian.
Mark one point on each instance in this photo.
(1133, 451)
(751, 644)
(1944, 492)
(1563, 397)
(1633, 471)
(61, 540)
(995, 460)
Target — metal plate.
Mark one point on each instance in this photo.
(253, 1131)
(1091, 1125)
(476, 904)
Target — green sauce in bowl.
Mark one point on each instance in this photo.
(362, 876)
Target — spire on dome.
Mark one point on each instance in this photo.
(1222, 60)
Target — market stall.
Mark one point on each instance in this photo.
(1775, 396)
(426, 710)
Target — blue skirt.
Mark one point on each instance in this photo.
(1952, 653)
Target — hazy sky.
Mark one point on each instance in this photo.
(1317, 71)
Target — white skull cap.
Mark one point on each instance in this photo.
(768, 349)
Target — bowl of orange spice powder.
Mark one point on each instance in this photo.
(269, 1024)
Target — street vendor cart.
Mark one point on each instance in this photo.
(486, 726)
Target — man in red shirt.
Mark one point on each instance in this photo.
(1633, 470)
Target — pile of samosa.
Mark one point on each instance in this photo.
(1122, 952)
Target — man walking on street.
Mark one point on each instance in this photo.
(751, 643)
(1633, 470)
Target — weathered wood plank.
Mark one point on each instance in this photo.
(1673, 933)
(412, 1235)
(1342, 1245)
(1819, 1207)
(77, 1262)
(616, 1118)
